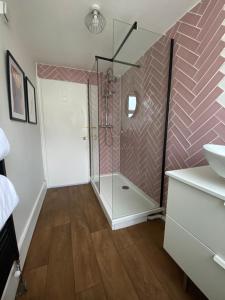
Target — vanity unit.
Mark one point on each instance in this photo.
(195, 227)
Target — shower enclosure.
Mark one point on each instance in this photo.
(128, 104)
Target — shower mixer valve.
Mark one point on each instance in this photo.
(106, 126)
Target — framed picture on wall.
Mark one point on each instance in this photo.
(16, 90)
(31, 102)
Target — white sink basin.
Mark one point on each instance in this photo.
(215, 155)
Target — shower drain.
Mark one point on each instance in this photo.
(125, 187)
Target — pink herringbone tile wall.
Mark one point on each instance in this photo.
(62, 73)
(142, 135)
(196, 117)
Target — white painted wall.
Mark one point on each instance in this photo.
(24, 164)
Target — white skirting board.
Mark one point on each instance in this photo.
(24, 243)
(67, 185)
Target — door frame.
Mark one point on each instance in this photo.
(89, 125)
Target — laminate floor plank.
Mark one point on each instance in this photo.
(165, 269)
(46, 216)
(36, 282)
(61, 208)
(126, 237)
(94, 293)
(77, 215)
(74, 254)
(60, 283)
(144, 280)
(118, 285)
(85, 264)
(38, 253)
(154, 231)
(92, 210)
(76, 200)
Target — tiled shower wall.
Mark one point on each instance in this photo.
(62, 73)
(142, 136)
(196, 117)
(110, 138)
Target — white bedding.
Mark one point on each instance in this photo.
(4, 145)
(8, 199)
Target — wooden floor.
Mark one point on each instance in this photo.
(75, 255)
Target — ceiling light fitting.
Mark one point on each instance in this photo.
(3, 10)
(95, 21)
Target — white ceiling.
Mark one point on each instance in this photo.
(55, 33)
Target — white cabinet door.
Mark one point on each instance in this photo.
(65, 132)
(195, 259)
(201, 214)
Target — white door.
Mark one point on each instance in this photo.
(64, 108)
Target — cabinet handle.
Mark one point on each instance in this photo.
(219, 260)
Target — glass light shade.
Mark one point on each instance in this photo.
(95, 21)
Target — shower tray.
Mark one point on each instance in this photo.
(130, 205)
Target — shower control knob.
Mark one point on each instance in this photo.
(84, 138)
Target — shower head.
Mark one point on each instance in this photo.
(109, 75)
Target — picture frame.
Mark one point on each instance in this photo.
(31, 101)
(16, 89)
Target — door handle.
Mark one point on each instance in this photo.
(84, 138)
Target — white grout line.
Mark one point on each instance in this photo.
(208, 43)
(222, 69)
(223, 37)
(191, 25)
(221, 98)
(196, 141)
(182, 71)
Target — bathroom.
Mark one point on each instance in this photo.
(112, 149)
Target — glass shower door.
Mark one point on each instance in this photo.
(140, 115)
(106, 130)
(94, 127)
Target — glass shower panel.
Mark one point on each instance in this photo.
(139, 114)
(94, 128)
(105, 96)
